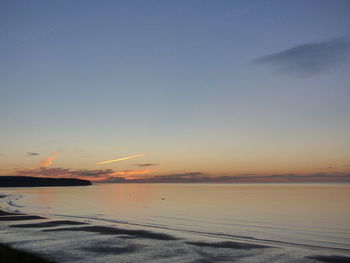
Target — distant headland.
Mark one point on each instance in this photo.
(27, 181)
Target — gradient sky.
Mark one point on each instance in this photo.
(221, 88)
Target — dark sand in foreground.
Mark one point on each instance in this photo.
(73, 241)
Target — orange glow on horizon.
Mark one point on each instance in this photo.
(133, 172)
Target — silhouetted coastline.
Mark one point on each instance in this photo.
(27, 181)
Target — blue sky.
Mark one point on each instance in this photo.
(177, 80)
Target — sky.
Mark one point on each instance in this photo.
(194, 91)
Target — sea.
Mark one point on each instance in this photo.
(314, 215)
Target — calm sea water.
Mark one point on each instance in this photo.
(304, 214)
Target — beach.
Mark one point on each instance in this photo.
(76, 239)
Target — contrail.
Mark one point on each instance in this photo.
(122, 159)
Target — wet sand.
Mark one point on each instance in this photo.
(331, 259)
(48, 224)
(10, 255)
(20, 217)
(74, 241)
(117, 231)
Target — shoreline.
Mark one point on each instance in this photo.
(130, 245)
(11, 255)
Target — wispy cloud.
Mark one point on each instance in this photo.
(48, 161)
(310, 58)
(1, 154)
(122, 159)
(31, 154)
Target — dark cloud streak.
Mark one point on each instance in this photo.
(146, 164)
(310, 58)
(31, 154)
